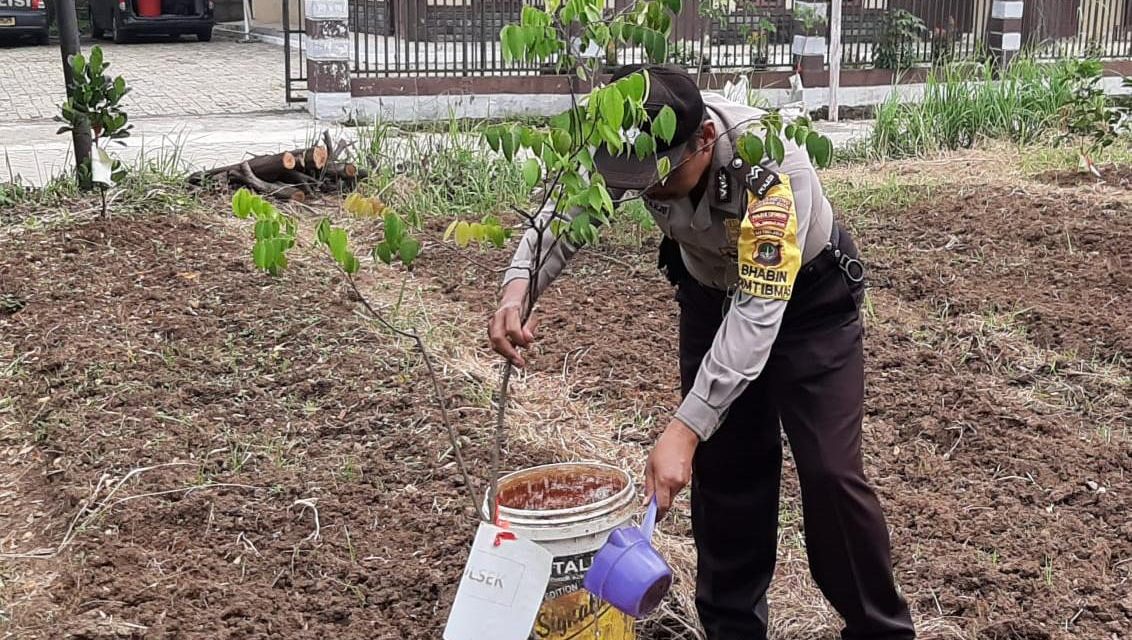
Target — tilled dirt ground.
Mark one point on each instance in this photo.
(269, 466)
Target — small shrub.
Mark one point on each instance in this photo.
(899, 32)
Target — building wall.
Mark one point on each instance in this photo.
(271, 12)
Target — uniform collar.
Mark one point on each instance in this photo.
(724, 191)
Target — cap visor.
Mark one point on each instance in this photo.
(627, 171)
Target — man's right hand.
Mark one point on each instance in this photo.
(505, 329)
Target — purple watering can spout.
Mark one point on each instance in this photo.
(627, 572)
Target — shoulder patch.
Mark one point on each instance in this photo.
(761, 180)
(769, 255)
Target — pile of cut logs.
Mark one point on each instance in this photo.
(290, 175)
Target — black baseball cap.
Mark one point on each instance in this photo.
(668, 85)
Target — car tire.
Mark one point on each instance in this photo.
(205, 35)
(118, 36)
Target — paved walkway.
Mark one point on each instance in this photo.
(168, 78)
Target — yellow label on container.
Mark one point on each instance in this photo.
(569, 612)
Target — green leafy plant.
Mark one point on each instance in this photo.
(899, 32)
(1090, 121)
(274, 231)
(95, 102)
(758, 39)
(809, 17)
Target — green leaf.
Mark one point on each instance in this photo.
(664, 125)
(606, 201)
(241, 203)
(751, 149)
(410, 249)
(633, 86)
(78, 64)
(451, 228)
(532, 172)
(820, 149)
(561, 141)
(261, 255)
(592, 13)
(514, 43)
(529, 139)
(586, 159)
(774, 147)
(323, 230)
(673, 5)
(645, 145)
(383, 252)
(801, 134)
(491, 134)
(262, 208)
(508, 141)
(266, 229)
(613, 106)
(96, 59)
(656, 45)
(789, 132)
(394, 229)
(463, 233)
(664, 167)
(611, 137)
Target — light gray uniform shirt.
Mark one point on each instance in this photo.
(751, 232)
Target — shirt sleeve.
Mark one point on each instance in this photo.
(556, 252)
(772, 235)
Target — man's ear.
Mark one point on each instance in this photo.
(709, 134)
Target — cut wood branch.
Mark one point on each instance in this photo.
(331, 154)
(267, 167)
(313, 159)
(273, 189)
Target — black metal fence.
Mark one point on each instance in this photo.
(909, 33)
(461, 37)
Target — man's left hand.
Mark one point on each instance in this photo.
(669, 467)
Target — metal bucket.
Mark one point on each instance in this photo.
(570, 509)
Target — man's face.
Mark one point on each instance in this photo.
(688, 172)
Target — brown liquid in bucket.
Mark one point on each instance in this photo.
(561, 488)
(602, 496)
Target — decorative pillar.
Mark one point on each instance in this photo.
(810, 44)
(1004, 30)
(328, 58)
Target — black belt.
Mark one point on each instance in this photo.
(850, 266)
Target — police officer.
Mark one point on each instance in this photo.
(769, 289)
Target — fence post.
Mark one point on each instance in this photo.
(1004, 30)
(834, 58)
(328, 58)
(810, 22)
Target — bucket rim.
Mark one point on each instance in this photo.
(538, 516)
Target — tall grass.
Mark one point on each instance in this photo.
(448, 174)
(964, 104)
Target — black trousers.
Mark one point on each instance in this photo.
(813, 385)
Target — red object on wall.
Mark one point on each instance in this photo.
(149, 8)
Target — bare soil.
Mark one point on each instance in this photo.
(314, 495)
(1116, 176)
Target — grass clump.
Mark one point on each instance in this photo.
(964, 104)
(451, 173)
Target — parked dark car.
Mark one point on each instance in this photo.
(122, 20)
(24, 18)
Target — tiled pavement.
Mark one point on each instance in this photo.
(168, 78)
